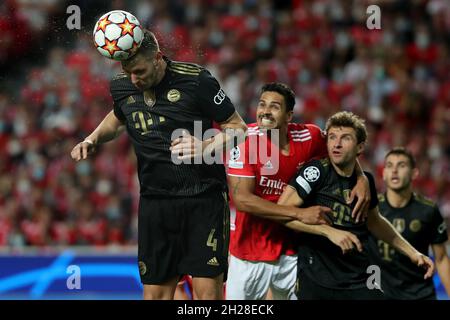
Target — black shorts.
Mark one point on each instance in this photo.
(179, 236)
(308, 289)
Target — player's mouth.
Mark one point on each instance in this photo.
(395, 179)
(265, 121)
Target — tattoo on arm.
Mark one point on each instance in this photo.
(236, 187)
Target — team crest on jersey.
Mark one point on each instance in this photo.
(415, 225)
(311, 174)
(399, 224)
(173, 95)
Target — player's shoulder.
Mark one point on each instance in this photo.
(424, 201)
(304, 132)
(186, 69)
(253, 130)
(121, 86)
(119, 79)
(322, 164)
(315, 170)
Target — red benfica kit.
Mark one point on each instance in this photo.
(259, 239)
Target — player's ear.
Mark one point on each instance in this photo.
(360, 148)
(158, 56)
(384, 173)
(415, 173)
(289, 116)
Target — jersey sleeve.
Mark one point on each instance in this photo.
(438, 228)
(120, 89)
(238, 162)
(373, 191)
(308, 178)
(212, 100)
(319, 143)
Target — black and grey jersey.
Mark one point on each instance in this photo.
(187, 94)
(419, 222)
(318, 183)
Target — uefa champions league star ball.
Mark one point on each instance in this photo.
(118, 35)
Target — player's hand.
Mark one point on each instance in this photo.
(82, 150)
(314, 215)
(425, 262)
(362, 192)
(186, 146)
(347, 241)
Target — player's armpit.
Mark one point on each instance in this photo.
(241, 187)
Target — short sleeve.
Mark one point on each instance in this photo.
(308, 178)
(238, 162)
(120, 88)
(118, 112)
(212, 100)
(438, 228)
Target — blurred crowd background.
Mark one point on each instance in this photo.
(54, 90)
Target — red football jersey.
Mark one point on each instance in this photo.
(258, 239)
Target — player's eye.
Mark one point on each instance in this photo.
(275, 106)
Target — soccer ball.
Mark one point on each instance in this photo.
(118, 35)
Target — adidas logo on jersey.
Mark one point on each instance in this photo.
(268, 165)
(213, 262)
(130, 100)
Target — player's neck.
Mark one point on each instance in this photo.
(284, 140)
(162, 70)
(400, 198)
(345, 170)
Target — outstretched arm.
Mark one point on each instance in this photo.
(110, 128)
(383, 230)
(345, 240)
(442, 265)
(242, 190)
(233, 133)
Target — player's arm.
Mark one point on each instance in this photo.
(233, 133)
(217, 106)
(442, 264)
(362, 193)
(244, 198)
(110, 128)
(383, 230)
(344, 239)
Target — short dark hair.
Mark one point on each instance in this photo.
(284, 90)
(349, 120)
(147, 49)
(404, 152)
